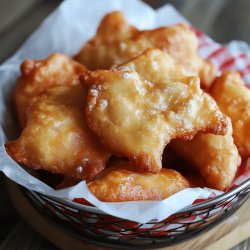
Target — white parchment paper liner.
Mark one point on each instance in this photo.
(72, 24)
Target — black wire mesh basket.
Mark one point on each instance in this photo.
(90, 224)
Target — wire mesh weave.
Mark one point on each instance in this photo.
(95, 226)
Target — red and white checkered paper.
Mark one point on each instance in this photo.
(223, 58)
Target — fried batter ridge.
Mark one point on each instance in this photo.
(117, 42)
(137, 108)
(216, 157)
(39, 75)
(56, 137)
(122, 183)
(233, 99)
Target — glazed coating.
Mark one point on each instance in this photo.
(117, 42)
(56, 137)
(39, 75)
(233, 99)
(215, 156)
(137, 108)
(121, 183)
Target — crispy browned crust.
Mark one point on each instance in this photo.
(56, 137)
(138, 107)
(15, 150)
(116, 42)
(233, 99)
(121, 183)
(39, 75)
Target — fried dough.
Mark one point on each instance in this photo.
(233, 99)
(121, 183)
(117, 42)
(39, 75)
(56, 137)
(137, 108)
(215, 156)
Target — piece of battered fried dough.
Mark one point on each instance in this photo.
(233, 99)
(56, 137)
(137, 108)
(121, 183)
(215, 156)
(39, 75)
(117, 42)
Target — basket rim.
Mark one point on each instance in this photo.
(186, 209)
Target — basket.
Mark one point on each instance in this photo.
(90, 224)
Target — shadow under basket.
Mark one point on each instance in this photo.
(92, 225)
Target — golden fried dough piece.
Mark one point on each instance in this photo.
(56, 137)
(233, 99)
(39, 75)
(117, 42)
(215, 156)
(121, 183)
(137, 108)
